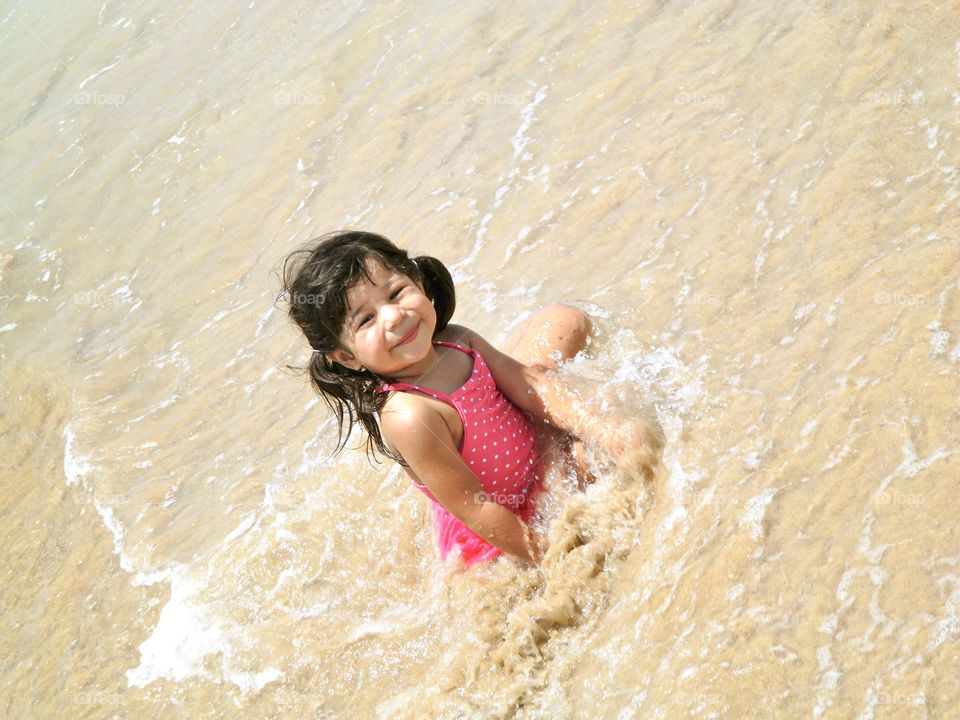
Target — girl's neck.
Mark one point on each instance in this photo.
(416, 373)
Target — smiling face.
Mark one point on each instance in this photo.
(389, 325)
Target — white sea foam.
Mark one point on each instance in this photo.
(98, 73)
(182, 638)
(75, 466)
(76, 470)
(245, 524)
(660, 372)
(755, 511)
(166, 402)
(520, 139)
(938, 342)
(949, 625)
(116, 529)
(828, 679)
(186, 633)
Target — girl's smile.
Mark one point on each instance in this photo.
(411, 336)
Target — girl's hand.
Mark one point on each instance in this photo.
(625, 439)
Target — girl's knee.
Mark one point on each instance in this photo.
(553, 329)
(581, 324)
(570, 325)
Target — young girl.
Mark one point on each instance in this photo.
(456, 413)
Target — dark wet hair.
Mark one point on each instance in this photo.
(316, 279)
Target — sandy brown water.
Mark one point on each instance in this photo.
(758, 202)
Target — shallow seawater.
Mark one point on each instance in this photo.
(757, 202)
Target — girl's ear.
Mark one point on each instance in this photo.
(344, 358)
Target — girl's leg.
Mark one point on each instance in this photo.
(554, 333)
(554, 329)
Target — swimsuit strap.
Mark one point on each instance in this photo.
(401, 387)
(461, 348)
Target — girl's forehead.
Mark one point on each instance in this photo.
(377, 273)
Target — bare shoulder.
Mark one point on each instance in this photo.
(401, 409)
(459, 334)
(414, 429)
(404, 414)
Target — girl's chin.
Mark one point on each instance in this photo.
(411, 353)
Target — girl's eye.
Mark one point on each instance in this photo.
(394, 294)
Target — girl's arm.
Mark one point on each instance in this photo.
(544, 395)
(420, 435)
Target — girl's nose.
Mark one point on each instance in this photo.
(391, 314)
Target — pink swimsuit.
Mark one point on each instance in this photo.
(499, 445)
